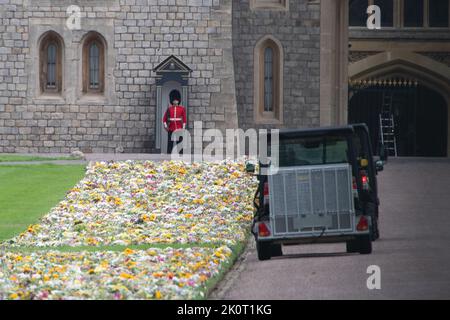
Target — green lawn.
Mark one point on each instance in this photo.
(29, 192)
(18, 157)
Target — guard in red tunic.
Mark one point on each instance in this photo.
(174, 119)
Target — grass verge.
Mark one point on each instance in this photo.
(211, 284)
(29, 192)
(20, 158)
(115, 248)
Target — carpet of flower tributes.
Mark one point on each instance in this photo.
(134, 203)
(131, 274)
(128, 203)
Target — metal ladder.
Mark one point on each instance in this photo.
(387, 126)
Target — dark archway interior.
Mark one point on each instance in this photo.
(420, 115)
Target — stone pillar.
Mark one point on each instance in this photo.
(159, 116)
(333, 62)
(225, 100)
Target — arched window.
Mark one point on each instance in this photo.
(93, 63)
(268, 80)
(50, 66)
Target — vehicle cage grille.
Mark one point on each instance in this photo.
(309, 199)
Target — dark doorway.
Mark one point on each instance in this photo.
(420, 116)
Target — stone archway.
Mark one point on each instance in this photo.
(430, 75)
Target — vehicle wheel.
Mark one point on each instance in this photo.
(364, 244)
(264, 250)
(352, 246)
(372, 211)
(277, 251)
(375, 232)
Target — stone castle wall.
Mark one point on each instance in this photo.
(139, 34)
(298, 31)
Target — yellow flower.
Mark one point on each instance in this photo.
(236, 174)
(147, 218)
(127, 276)
(128, 251)
(32, 228)
(197, 266)
(27, 269)
(158, 295)
(13, 296)
(188, 216)
(199, 201)
(18, 258)
(91, 241)
(61, 269)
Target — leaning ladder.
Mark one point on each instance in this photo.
(387, 126)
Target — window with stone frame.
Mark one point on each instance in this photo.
(438, 13)
(426, 13)
(403, 13)
(268, 81)
(413, 13)
(94, 63)
(387, 12)
(358, 13)
(269, 4)
(50, 63)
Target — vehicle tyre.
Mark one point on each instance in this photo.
(365, 244)
(277, 250)
(372, 210)
(375, 232)
(352, 246)
(264, 250)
